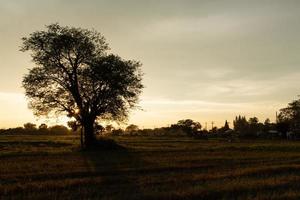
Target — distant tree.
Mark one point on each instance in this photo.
(14, 131)
(109, 128)
(76, 76)
(240, 124)
(291, 115)
(267, 122)
(43, 127)
(226, 126)
(254, 126)
(214, 130)
(74, 125)
(30, 126)
(59, 130)
(253, 120)
(132, 128)
(117, 132)
(188, 126)
(2, 131)
(267, 125)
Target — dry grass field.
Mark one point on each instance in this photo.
(53, 167)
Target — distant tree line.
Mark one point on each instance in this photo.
(242, 128)
(189, 127)
(31, 128)
(287, 126)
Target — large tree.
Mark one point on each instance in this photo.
(75, 75)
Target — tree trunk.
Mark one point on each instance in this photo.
(89, 135)
(81, 138)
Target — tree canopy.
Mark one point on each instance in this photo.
(75, 75)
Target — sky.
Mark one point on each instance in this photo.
(207, 60)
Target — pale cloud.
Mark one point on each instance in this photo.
(176, 28)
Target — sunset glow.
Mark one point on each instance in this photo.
(204, 60)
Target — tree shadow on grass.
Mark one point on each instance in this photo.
(101, 173)
(114, 169)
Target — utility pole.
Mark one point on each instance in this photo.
(212, 125)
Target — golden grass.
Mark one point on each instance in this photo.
(47, 167)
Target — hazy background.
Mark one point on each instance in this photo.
(205, 60)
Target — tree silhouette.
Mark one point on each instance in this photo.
(254, 126)
(76, 76)
(30, 126)
(291, 115)
(241, 125)
(189, 126)
(132, 128)
(226, 126)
